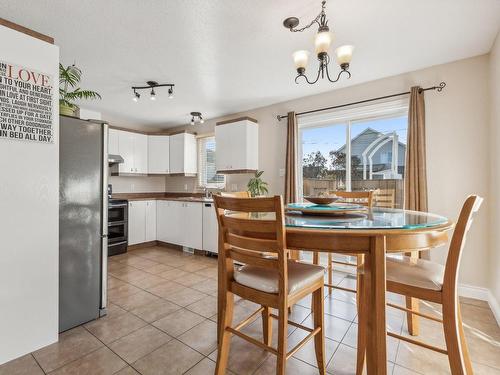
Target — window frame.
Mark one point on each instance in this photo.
(201, 179)
(347, 117)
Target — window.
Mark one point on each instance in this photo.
(353, 150)
(207, 176)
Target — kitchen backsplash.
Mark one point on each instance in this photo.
(139, 184)
(171, 184)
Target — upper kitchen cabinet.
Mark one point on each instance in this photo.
(158, 154)
(237, 145)
(183, 154)
(113, 142)
(133, 148)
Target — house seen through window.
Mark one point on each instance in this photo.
(207, 176)
(355, 150)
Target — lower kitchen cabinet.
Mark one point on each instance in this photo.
(168, 221)
(210, 228)
(141, 221)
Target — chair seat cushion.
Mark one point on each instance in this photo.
(420, 273)
(300, 275)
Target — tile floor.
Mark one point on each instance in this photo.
(162, 315)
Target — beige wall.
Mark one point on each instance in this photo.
(495, 170)
(457, 138)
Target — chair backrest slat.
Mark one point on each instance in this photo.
(469, 209)
(235, 194)
(246, 257)
(239, 222)
(254, 244)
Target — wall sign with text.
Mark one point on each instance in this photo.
(25, 104)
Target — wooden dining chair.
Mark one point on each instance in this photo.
(430, 281)
(364, 198)
(249, 229)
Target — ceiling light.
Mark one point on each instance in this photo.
(322, 43)
(196, 117)
(151, 85)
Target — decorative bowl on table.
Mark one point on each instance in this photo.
(323, 200)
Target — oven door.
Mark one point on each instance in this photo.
(117, 232)
(117, 212)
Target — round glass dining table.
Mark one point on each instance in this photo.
(372, 232)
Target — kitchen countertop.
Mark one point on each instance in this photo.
(183, 197)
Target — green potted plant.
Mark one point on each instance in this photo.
(256, 186)
(69, 78)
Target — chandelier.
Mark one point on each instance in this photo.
(322, 42)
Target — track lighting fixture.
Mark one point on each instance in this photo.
(196, 117)
(136, 96)
(151, 85)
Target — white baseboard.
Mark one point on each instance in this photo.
(495, 307)
(483, 294)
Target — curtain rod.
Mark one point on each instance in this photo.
(438, 88)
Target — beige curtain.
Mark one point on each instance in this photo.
(415, 170)
(291, 159)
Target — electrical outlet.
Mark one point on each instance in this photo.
(132, 187)
(234, 187)
(185, 187)
(282, 172)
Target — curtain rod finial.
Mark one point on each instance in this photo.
(441, 86)
(278, 117)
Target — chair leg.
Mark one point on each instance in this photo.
(330, 272)
(362, 321)
(224, 335)
(412, 320)
(452, 335)
(319, 321)
(267, 325)
(282, 340)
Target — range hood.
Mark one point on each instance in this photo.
(114, 159)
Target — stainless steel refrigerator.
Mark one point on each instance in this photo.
(83, 208)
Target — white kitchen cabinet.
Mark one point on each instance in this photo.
(136, 222)
(150, 221)
(183, 154)
(210, 228)
(237, 145)
(180, 223)
(141, 221)
(158, 154)
(169, 224)
(113, 142)
(133, 148)
(192, 230)
(141, 153)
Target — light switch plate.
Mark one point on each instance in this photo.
(282, 172)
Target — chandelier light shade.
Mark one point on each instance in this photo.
(322, 44)
(151, 85)
(344, 54)
(323, 41)
(301, 58)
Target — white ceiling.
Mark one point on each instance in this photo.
(226, 56)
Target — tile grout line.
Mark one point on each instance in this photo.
(36, 361)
